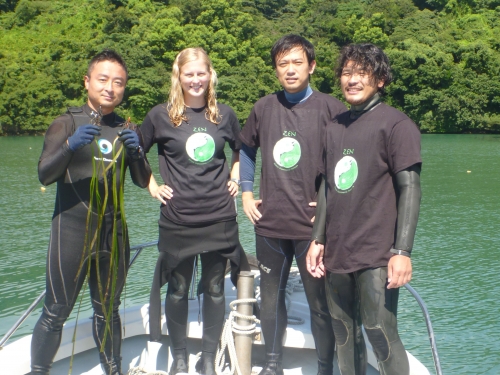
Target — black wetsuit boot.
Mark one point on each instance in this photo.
(110, 359)
(273, 365)
(206, 364)
(180, 363)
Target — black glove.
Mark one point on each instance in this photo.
(130, 140)
(83, 136)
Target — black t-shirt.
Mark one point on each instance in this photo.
(361, 158)
(289, 136)
(192, 162)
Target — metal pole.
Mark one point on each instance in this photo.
(138, 251)
(430, 330)
(21, 319)
(243, 342)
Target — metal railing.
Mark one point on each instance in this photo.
(138, 249)
(430, 330)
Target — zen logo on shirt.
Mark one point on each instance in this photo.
(200, 148)
(286, 153)
(346, 173)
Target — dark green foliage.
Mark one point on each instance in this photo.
(445, 53)
(8, 5)
(271, 8)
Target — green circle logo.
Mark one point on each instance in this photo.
(200, 147)
(346, 173)
(287, 152)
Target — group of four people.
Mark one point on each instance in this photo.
(359, 167)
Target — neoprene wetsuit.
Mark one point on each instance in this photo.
(288, 128)
(73, 171)
(351, 294)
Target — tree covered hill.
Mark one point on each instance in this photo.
(445, 53)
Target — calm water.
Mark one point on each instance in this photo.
(456, 255)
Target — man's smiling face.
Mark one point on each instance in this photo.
(358, 85)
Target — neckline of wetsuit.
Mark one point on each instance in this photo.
(108, 119)
(298, 97)
(358, 110)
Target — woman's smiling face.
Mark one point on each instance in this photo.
(194, 78)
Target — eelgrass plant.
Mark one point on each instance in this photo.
(94, 224)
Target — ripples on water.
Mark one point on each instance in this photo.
(456, 256)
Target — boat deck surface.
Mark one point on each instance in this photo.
(296, 361)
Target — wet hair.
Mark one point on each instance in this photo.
(290, 42)
(176, 106)
(106, 55)
(368, 57)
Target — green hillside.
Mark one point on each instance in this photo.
(445, 54)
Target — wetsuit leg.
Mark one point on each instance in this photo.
(275, 259)
(110, 352)
(342, 293)
(321, 322)
(47, 336)
(379, 315)
(213, 266)
(176, 304)
(62, 289)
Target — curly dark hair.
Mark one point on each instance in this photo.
(368, 57)
(106, 55)
(287, 43)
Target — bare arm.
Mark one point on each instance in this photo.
(160, 192)
(233, 183)
(315, 254)
(247, 171)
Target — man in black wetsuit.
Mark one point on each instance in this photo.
(67, 158)
(367, 212)
(287, 126)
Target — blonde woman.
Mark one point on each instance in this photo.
(198, 215)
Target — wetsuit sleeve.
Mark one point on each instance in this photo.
(56, 154)
(140, 171)
(319, 227)
(248, 156)
(408, 185)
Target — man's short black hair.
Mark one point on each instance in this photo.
(106, 55)
(289, 42)
(368, 57)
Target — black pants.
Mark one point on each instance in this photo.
(62, 292)
(213, 266)
(275, 258)
(363, 296)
